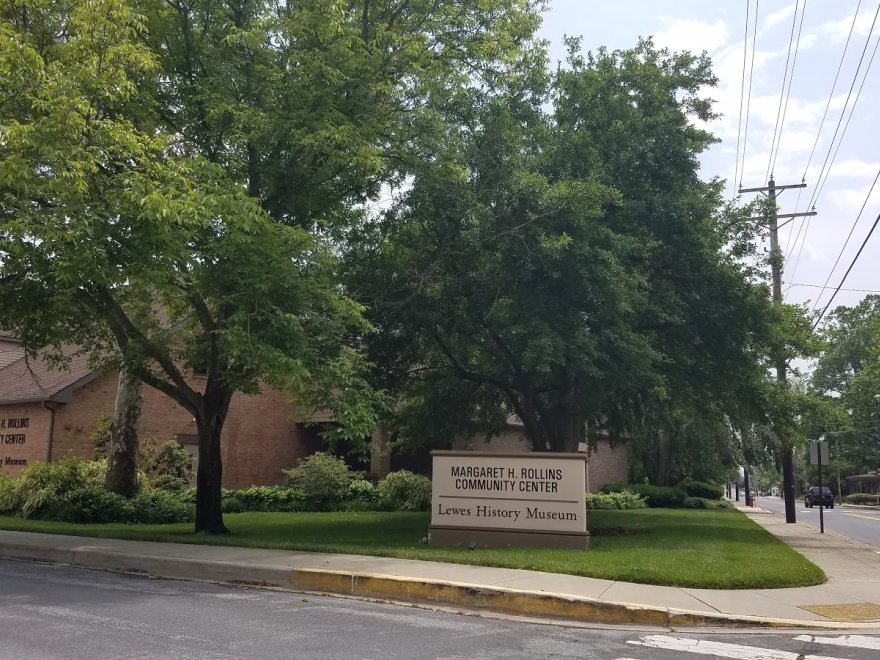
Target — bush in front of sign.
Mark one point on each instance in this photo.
(621, 501)
(362, 496)
(405, 491)
(323, 480)
(657, 497)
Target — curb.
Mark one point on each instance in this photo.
(501, 600)
(530, 603)
(179, 568)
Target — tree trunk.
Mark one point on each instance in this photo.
(124, 435)
(660, 472)
(209, 478)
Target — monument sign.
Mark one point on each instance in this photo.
(488, 499)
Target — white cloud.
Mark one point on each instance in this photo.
(837, 30)
(693, 35)
(778, 16)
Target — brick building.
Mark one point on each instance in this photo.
(48, 415)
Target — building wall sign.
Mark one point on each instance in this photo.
(530, 499)
(13, 434)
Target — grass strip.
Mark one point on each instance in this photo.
(674, 547)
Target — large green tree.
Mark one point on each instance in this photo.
(104, 217)
(192, 159)
(847, 375)
(569, 267)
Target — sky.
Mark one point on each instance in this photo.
(839, 158)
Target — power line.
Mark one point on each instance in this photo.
(833, 87)
(846, 274)
(749, 97)
(821, 286)
(780, 124)
(846, 242)
(790, 245)
(742, 94)
(831, 147)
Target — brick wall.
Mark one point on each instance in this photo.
(260, 438)
(607, 464)
(24, 434)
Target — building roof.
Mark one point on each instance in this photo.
(864, 477)
(10, 349)
(29, 381)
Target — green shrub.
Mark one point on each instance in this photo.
(231, 504)
(855, 498)
(623, 500)
(703, 503)
(44, 485)
(405, 491)
(656, 497)
(265, 498)
(704, 490)
(362, 496)
(87, 505)
(8, 495)
(168, 482)
(323, 481)
(169, 465)
(159, 507)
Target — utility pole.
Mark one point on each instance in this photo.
(772, 219)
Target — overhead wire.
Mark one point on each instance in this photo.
(826, 167)
(789, 247)
(749, 95)
(820, 183)
(846, 242)
(742, 93)
(837, 289)
(783, 95)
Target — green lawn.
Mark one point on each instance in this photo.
(680, 547)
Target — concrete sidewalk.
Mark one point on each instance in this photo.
(850, 599)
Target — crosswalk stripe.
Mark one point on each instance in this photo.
(721, 649)
(855, 641)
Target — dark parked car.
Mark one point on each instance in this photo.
(812, 497)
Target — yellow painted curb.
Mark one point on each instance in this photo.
(526, 603)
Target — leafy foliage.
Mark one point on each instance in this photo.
(535, 268)
(322, 479)
(703, 490)
(405, 491)
(656, 497)
(706, 503)
(264, 498)
(622, 500)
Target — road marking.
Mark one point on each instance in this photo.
(855, 641)
(735, 651)
(859, 515)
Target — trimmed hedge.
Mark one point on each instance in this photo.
(263, 498)
(704, 503)
(703, 490)
(656, 497)
(862, 498)
(623, 500)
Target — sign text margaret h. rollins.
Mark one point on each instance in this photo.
(535, 499)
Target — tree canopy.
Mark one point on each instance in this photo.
(173, 171)
(568, 266)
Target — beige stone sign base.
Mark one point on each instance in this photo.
(494, 499)
(500, 538)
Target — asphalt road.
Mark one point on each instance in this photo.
(54, 612)
(860, 523)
